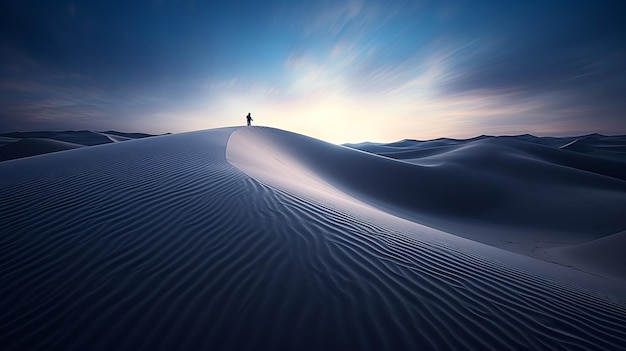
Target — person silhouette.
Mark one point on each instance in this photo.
(249, 119)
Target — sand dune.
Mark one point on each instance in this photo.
(24, 144)
(610, 147)
(7, 140)
(33, 146)
(82, 137)
(117, 137)
(255, 238)
(507, 193)
(603, 256)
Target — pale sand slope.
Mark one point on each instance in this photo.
(163, 244)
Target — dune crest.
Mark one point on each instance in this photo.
(33, 146)
(24, 144)
(163, 244)
(511, 194)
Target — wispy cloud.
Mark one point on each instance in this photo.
(40, 97)
(340, 71)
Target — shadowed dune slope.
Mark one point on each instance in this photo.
(81, 137)
(163, 244)
(33, 146)
(596, 145)
(481, 190)
(603, 256)
(609, 147)
(23, 144)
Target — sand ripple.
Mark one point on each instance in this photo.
(162, 244)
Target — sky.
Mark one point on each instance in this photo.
(340, 71)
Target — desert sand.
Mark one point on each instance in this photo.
(257, 238)
(24, 144)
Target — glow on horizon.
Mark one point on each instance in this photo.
(318, 102)
(350, 71)
(334, 91)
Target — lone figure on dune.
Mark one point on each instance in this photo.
(249, 119)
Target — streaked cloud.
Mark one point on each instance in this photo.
(341, 71)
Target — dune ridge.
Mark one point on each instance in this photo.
(16, 145)
(198, 241)
(33, 146)
(502, 192)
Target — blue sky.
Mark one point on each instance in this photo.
(342, 71)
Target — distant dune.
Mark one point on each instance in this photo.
(503, 191)
(256, 238)
(33, 146)
(23, 144)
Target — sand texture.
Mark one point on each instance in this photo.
(16, 145)
(260, 239)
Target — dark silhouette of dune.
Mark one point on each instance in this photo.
(33, 146)
(82, 137)
(241, 238)
(23, 144)
(596, 145)
(610, 147)
(128, 135)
